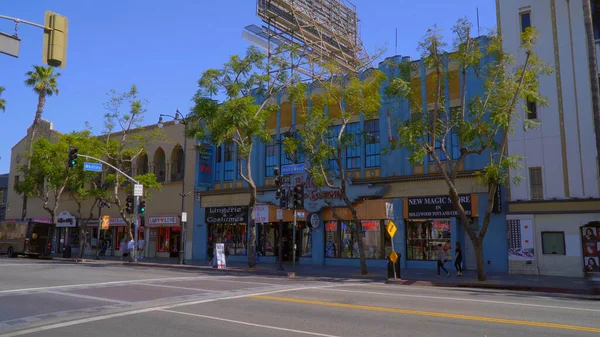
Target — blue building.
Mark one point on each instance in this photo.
(382, 184)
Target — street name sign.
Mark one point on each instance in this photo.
(94, 167)
(292, 169)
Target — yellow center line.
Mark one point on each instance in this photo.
(432, 314)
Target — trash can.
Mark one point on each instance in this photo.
(67, 252)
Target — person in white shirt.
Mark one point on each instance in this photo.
(141, 247)
(131, 247)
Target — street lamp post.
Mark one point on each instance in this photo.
(178, 118)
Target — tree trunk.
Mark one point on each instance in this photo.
(251, 245)
(478, 246)
(34, 129)
(593, 71)
(357, 232)
(81, 239)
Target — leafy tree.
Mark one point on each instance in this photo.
(125, 142)
(2, 100)
(323, 134)
(86, 187)
(249, 85)
(44, 83)
(483, 122)
(48, 176)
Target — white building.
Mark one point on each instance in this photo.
(560, 192)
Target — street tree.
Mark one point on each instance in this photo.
(482, 123)
(248, 85)
(124, 141)
(48, 176)
(2, 100)
(86, 188)
(43, 81)
(336, 101)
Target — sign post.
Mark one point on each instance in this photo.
(391, 229)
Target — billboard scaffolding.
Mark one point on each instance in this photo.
(323, 31)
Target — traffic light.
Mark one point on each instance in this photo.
(298, 196)
(142, 207)
(72, 156)
(54, 50)
(283, 201)
(129, 205)
(277, 177)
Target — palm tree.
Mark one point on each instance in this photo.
(43, 82)
(593, 67)
(2, 100)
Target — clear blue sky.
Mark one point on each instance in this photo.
(163, 47)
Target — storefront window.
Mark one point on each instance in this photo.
(306, 248)
(232, 235)
(91, 238)
(341, 241)
(332, 240)
(267, 240)
(164, 236)
(423, 238)
(121, 235)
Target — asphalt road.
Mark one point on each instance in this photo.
(60, 299)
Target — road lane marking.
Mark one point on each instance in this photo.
(176, 287)
(431, 314)
(156, 308)
(250, 324)
(112, 283)
(62, 293)
(466, 300)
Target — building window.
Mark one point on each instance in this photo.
(164, 238)
(525, 20)
(553, 243)
(270, 156)
(219, 163)
(531, 109)
(341, 242)
(535, 183)
(229, 162)
(232, 235)
(353, 146)
(423, 238)
(372, 144)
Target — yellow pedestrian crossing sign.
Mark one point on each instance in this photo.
(393, 257)
(391, 229)
(105, 221)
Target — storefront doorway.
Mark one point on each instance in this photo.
(174, 241)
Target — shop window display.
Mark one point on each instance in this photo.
(423, 238)
(267, 240)
(164, 236)
(232, 235)
(341, 241)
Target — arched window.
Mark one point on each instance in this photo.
(177, 163)
(142, 163)
(159, 165)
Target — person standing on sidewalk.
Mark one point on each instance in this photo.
(141, 247)
(441, 260)
(458, 260)
(131, 248)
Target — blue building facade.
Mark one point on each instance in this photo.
(384, 186)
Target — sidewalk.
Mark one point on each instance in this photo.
(412, 277)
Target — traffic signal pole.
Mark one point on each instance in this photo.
(294, 240)
(137, 230)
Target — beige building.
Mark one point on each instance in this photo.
(161, 225)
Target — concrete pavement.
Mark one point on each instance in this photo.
(51, 298)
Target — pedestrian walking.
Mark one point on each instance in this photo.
(458, 259)
(141, 247)
(123, 248)
(441, 260)
(131, 248)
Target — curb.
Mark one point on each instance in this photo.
(543, 289)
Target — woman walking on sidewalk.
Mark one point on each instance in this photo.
(458, 260)
(441, 260)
